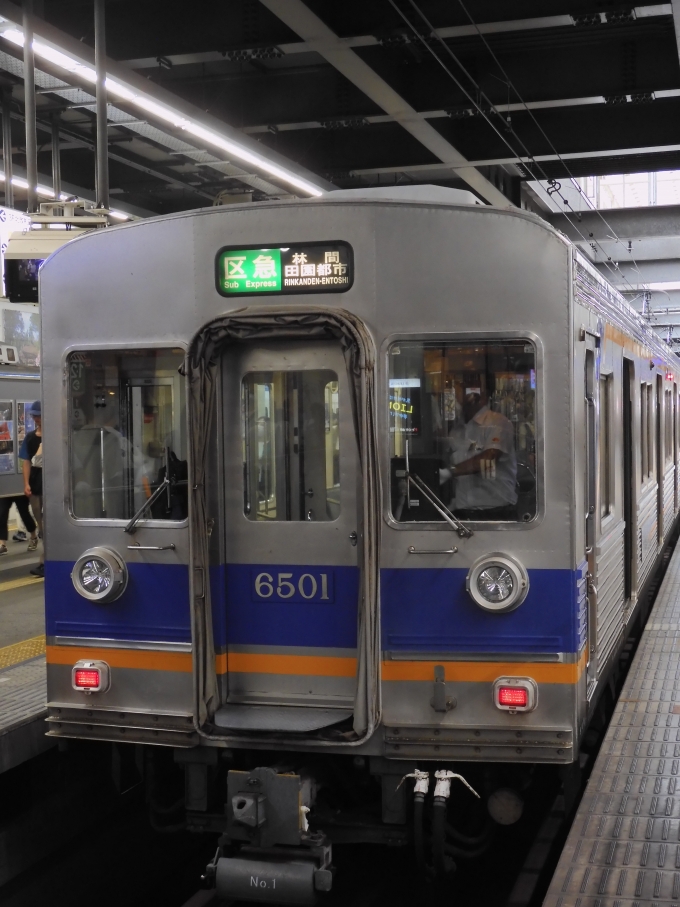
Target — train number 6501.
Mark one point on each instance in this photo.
(307, 587)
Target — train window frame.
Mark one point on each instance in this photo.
(653, 416)
(605, 451)
(85, 346)
(668, 455)
(463, 337)
(648, 416)
(675, 432)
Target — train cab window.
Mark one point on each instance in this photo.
(127, 433)
(291, 445)
(464, 417)
(605, 446)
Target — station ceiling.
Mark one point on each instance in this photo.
(478, 94)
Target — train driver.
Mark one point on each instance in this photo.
(483, 462)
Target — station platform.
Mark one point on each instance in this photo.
(624, 844)
(22, 660)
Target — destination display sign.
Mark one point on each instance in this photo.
(317, 267)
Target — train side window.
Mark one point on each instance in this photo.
(605, 446)
(646, 457)
(464, 414)
(651, 424)
(675, 424)
(291, 445)
(668, 426)
(127, 433)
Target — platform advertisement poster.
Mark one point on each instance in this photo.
(405, 406)
(6, 436)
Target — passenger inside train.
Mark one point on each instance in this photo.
(464, 416)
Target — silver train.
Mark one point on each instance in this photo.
(19, 388)
(386, 513)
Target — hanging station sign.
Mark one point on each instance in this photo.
(317, 267)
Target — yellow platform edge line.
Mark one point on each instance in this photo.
(22, 651)
(18, 583)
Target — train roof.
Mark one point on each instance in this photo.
(591, 288)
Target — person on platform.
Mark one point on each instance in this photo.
(22, 506)
(31, 456)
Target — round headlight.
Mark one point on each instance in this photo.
(100, 575)
(497, 583)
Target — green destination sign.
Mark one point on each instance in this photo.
(299, 268)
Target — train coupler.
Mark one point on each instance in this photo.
(279, 860)
(277, 875)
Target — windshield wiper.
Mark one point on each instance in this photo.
(132, 525)
(463, 531)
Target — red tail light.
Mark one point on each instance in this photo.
(513, 696)
(87, 679)
(91, 676)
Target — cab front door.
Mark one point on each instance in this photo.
(291, 479)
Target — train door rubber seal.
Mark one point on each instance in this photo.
(285, 322)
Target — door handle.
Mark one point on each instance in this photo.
(353, 537)
(170, 547)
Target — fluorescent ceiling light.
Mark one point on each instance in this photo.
(57, 58)
(250, 157)
(167, 114)
(14, 35)
(157, 110)
(52, 55)
(119, 91)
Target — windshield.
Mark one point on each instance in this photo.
(127, 433)
(464, 415)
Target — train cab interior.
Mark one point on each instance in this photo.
(462, 419)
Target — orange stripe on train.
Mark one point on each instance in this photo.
(122, 658)
(319, 665)
(239, 662)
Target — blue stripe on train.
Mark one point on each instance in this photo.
(271, 622)
(155, 605)
(422, 610)
(429, 610)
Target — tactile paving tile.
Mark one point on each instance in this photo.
(21, 651)
(624, 846)
(23, 693)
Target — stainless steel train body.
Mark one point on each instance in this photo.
(322, 595)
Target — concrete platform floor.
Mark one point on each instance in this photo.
(21, 598)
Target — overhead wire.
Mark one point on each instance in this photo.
(573, 180)
(555, 186)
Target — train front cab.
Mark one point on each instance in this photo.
(297, 606)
